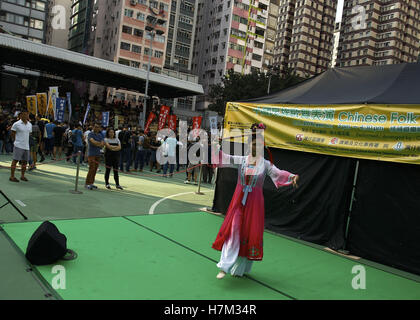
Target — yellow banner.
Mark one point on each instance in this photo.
(31, 104)
(42, 103)
(50, 107)
(376, 132)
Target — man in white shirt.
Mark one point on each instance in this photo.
(20, 135)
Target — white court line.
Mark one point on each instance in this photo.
(21, 203)
(153, 207)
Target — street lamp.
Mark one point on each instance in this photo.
(152, 21)
(270, 74)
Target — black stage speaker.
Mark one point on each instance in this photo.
(47, 245)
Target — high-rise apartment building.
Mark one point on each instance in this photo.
(272, 22)
(80, 28)
(229, 35)
(305, 36)
(379, 32)
(119, 34)
(336, 43)
(24, 18)
(58, 23)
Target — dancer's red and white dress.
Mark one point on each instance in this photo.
(240, 237)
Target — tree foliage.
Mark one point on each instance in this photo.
(237, 87)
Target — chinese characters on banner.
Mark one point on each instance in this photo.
(213, 124)
(150, 119)
(172, 122)
(31, 103)
(42, 103)
(105, 119)
(86, 114)
(163, 116)
(196, 125)
(69, 104)
(52, 102)
(60, 109)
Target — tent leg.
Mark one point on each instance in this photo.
(356, 172)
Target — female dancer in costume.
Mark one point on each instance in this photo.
(240, 238)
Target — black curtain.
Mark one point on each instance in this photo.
(317, 211)
(385, 220)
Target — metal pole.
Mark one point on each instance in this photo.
(75, 191)
(269, 84)
(356, 172)
(199, 180)
(152, 36)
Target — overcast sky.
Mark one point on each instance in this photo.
(339, 10)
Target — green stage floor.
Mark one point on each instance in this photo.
(151, 242)
(169, 256)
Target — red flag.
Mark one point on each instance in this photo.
(172, 122)
(152, 116)
(163, 116)
(196, 125)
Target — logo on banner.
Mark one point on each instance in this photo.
(299, 137)
(334, 141)
(399, 146)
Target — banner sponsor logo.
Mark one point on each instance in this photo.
(377, 132)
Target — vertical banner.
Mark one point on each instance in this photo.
(60, 109)
(196, 125)
(163, 116)
(105, 119)
(86, 114)
(213, 125)
(31, 104)
(54, 96)
(172, 122)
(42, 103)
(116, 123)
(69, 104)
(150, 119)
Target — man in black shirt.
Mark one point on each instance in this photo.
(125, 155)
(58, 133)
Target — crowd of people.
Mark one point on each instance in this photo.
(123, 150)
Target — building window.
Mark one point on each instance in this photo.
(125, 46)
(128, 13)
(138, 33)
(136, 49)
(128, 30)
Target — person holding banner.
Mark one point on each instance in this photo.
(240, 238)
(20, 135)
